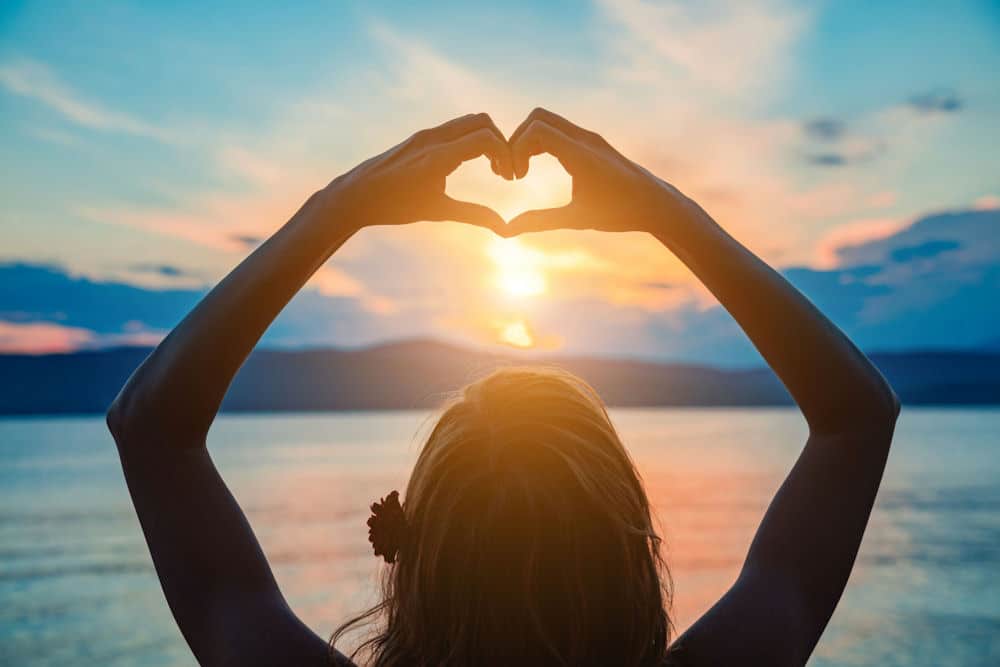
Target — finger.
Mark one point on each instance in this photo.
(556, 121)
(540, 137)
(543, 220)
(448, 156)
(459, 127)
(456, 210)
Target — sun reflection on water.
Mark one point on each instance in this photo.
(517, 334)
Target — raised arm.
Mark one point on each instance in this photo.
(802, 555)
(213, 572)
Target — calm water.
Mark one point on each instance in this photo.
(77, 586)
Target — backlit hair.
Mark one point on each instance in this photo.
(529, 538)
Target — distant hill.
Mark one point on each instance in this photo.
(418, 374)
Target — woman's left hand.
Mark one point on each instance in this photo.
(406, 183)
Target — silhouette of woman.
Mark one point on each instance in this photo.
(525, 534)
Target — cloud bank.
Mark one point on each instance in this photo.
(930, 284)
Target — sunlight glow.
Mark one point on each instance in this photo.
(517, 334)
(519, 269)
(522, 283)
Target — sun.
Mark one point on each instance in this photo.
(519, 282)
(519, 270)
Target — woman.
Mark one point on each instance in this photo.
(525, 536)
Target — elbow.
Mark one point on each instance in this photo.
(118, 417)
(121, 414)
(142, 416)
(880, 412)
(880, 417)
(894, 405)
(113, 418)
(129, 413)
(890, 406)
(879, 406)
(871, 410)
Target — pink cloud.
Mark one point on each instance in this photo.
(41, 338)
(987, 203)
(882, 199)
(52, 338)
(853, 233)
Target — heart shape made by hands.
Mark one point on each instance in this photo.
(546, 185)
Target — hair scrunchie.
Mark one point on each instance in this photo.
(387, 527)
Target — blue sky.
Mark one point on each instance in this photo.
(146, 146)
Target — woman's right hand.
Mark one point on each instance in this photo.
(406, 183)
(610, 192)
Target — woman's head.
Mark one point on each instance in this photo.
(529, 537)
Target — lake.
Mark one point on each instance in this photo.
(77, 585)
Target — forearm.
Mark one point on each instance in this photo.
(180, 386)
(213, 571)
(836, 386)
(804, 549)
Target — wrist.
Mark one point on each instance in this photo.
(672, 213)
(660, 209)
(336, 212)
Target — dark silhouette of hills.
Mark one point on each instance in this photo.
(419, 373)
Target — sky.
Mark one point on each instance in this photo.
(148, 147)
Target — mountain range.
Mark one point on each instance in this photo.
(420, 373)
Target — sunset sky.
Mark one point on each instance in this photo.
(146, 149)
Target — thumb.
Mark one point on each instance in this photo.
(447, 208)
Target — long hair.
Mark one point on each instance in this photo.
(529, 538)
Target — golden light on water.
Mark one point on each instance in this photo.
(517, 334)
(519, 269)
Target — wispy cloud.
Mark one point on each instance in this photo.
(724, 46)
(54, 136)
(164, 270)
(936, 101)
(849, 150)
(422, 74)
(824, 129)
(38, 82)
